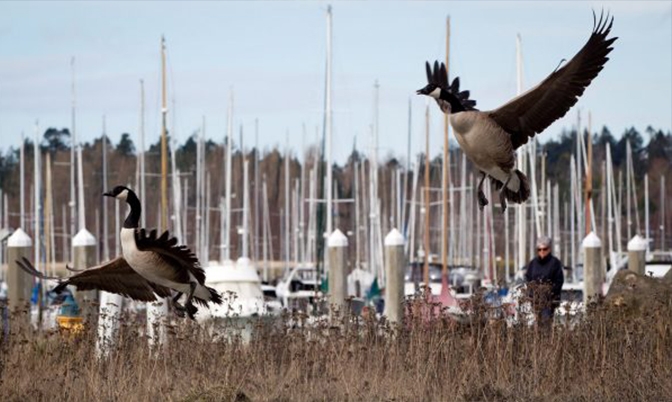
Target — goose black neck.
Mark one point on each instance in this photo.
(133, 217)
(455, 105)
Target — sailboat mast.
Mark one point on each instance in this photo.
(610, 201)
(175, 182)
(143, 195)
(81, 213)
(22, 183)
(328, 127)
(47, 215)
(647, 234)
(403, 225)
(73, 142)
(227, 184)
(257, 186)
(580, 217)
(589, 178)
(374, 216)
(662, 213)
(199, 192)
(266, 230)
(164, 141)
(106, 249)
(286, 220)
(36, 187)
(446, 170)
(628, 206)
(573, 210)
(246, 207)
(520, 163)
(425, 277)
(357, 198)
(117, 243)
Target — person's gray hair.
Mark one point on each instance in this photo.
(544, 241)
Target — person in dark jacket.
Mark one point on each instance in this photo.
(544, 279)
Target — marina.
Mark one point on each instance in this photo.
(369, 273)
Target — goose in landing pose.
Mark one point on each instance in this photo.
(150, 266)
(490, 138)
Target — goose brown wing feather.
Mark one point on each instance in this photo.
(179, 257)
(114, 276)
(533, 111)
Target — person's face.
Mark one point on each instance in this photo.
(542, 251)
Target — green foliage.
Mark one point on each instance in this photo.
(659, 146)
(56, 140)
(125, 146)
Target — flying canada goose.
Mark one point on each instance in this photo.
(150, 266)
(490, 138)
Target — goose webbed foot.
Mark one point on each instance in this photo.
(502, 194)
(188, 305)
(502, 200)
(187, 309)
(482, 201)
(179, 309)
(191, 310)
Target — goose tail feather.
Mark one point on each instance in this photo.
(215, 297)
(523, 192)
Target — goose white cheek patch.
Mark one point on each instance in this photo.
(122, 196)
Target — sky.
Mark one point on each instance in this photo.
(272, 55)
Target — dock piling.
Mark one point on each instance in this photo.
(395, 264)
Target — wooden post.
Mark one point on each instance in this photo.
(593, 275)
(637, 254)
(395, 265)
(84, 256)
(337, 247)
(108, 322)
(19, 282)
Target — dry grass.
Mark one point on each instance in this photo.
(608, 356)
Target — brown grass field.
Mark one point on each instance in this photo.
(609, 355)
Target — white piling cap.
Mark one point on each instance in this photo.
(83, 238)
(394, 238)
(637, 243)
(19, 239)
(337, 239)
(591, 241)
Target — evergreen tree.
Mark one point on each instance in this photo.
(125, 146)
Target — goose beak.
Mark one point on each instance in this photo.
(423, 91)
(109, 195)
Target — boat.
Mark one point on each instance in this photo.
(240, 287)
(464, 281)
(298, 287)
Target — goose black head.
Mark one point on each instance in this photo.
(448, 96)
(436, 80)
(431, 89)
(119, 192)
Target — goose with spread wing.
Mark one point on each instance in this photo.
(150, 266)
(490, 138)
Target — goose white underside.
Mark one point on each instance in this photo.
(146, 263)
(501, 175)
